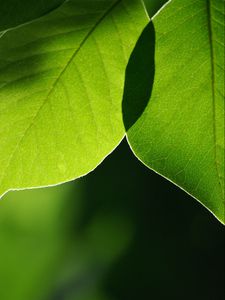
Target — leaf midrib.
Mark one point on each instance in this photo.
(212, 60)
(111, 8)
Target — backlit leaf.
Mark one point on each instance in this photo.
(61, 86)
(180, 134)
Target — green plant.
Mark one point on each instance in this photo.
(65, 102)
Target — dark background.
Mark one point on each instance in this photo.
(177, 251)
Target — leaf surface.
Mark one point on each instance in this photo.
(180, 133)
(61, 86)
(14, 12)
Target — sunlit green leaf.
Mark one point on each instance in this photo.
(180, 134)
(61, 86)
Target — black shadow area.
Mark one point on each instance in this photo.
(139, 77)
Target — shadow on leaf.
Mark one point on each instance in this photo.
(139, 77)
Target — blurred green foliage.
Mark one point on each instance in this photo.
(44, 254)
(105, 237)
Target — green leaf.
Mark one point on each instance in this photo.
(14, 12)
(180, 132)
(61, 86)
